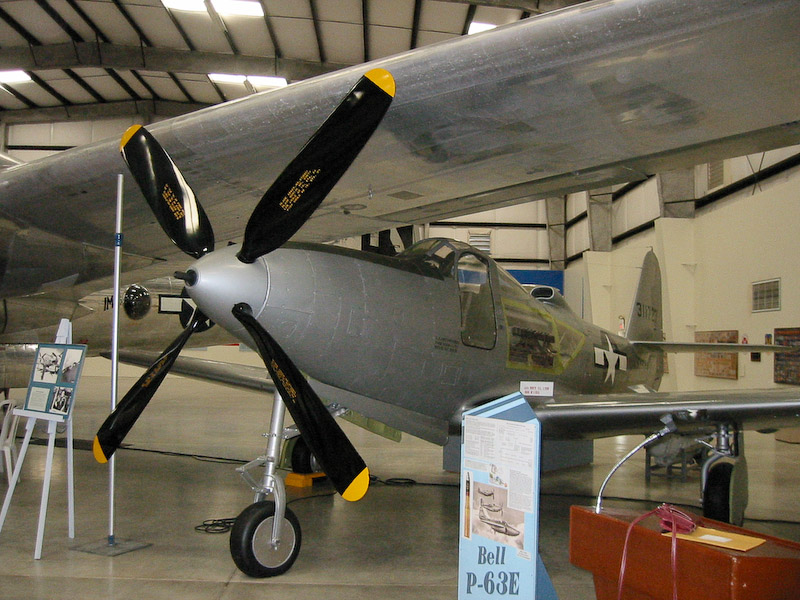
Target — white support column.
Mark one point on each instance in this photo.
(599, 211)
(676, 193)
(556, 208)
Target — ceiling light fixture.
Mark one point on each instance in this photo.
(226, 78)
(264, 81)
(16, 76)
(242, 8)
(185, 5)
(477, 27)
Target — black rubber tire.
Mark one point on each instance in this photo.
(717, 494)
(250, 541)
(301, 457)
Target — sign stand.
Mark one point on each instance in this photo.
(499, 532)
(51, 396)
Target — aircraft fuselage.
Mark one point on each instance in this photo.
(439, 328)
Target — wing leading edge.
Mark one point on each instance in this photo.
(594, 415)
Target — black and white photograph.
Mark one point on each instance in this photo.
(493, 519)
(72, 365)
(48, 364)
(62, 400)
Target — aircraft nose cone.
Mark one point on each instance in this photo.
(218, 281)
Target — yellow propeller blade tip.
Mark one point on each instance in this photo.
(129, 133)
(98, 452)
(358, 487)
(383, 79)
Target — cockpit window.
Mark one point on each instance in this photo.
(478, 325)
(436, 253)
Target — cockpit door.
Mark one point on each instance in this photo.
(478, 322)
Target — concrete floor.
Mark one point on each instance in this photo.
(399, 542)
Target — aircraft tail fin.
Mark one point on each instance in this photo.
(645, 321)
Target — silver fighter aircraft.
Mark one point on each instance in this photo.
(602, 93)
(359, 323)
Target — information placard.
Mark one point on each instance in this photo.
(499, 532)
(54, 379)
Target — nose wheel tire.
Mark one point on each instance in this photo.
(251, 541)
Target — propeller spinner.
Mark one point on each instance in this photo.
(283, 209)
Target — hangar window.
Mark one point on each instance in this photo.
(767, 295)
(478, 326)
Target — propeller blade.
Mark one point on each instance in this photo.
(111, 433)
(297, 192)
(172, 200)
(339, 459)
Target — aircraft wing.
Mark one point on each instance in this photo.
(579, 416)
(594, 415)
(596, 94)
(257, 378)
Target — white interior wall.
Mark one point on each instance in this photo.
(708, 266)
(60, 134)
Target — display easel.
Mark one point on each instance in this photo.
(51, 395)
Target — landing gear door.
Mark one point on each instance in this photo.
(478, 323)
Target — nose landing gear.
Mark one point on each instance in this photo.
(266, 536)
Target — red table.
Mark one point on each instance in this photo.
(769, 572)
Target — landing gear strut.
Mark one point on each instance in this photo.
(724, 478)
(265, 539)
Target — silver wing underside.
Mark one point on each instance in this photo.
(592, 416)
(600, 93)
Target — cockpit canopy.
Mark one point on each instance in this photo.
(438, 254)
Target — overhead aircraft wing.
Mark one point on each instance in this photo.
(599, 93)
(594, 415)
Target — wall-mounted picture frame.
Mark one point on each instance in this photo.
(720, 365)
(787, 364)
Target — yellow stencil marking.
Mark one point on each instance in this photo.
(284, 380)
(172, 202)
(298, 189)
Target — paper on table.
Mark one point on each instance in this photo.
(724, 539)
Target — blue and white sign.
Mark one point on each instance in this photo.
(499, 533)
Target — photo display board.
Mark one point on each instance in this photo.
(54, 379)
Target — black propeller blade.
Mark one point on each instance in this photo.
(166, 191)
(297, 192)
(339, 459)
(283, 209)
(111, 433)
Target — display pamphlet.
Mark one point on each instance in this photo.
(499, 507)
